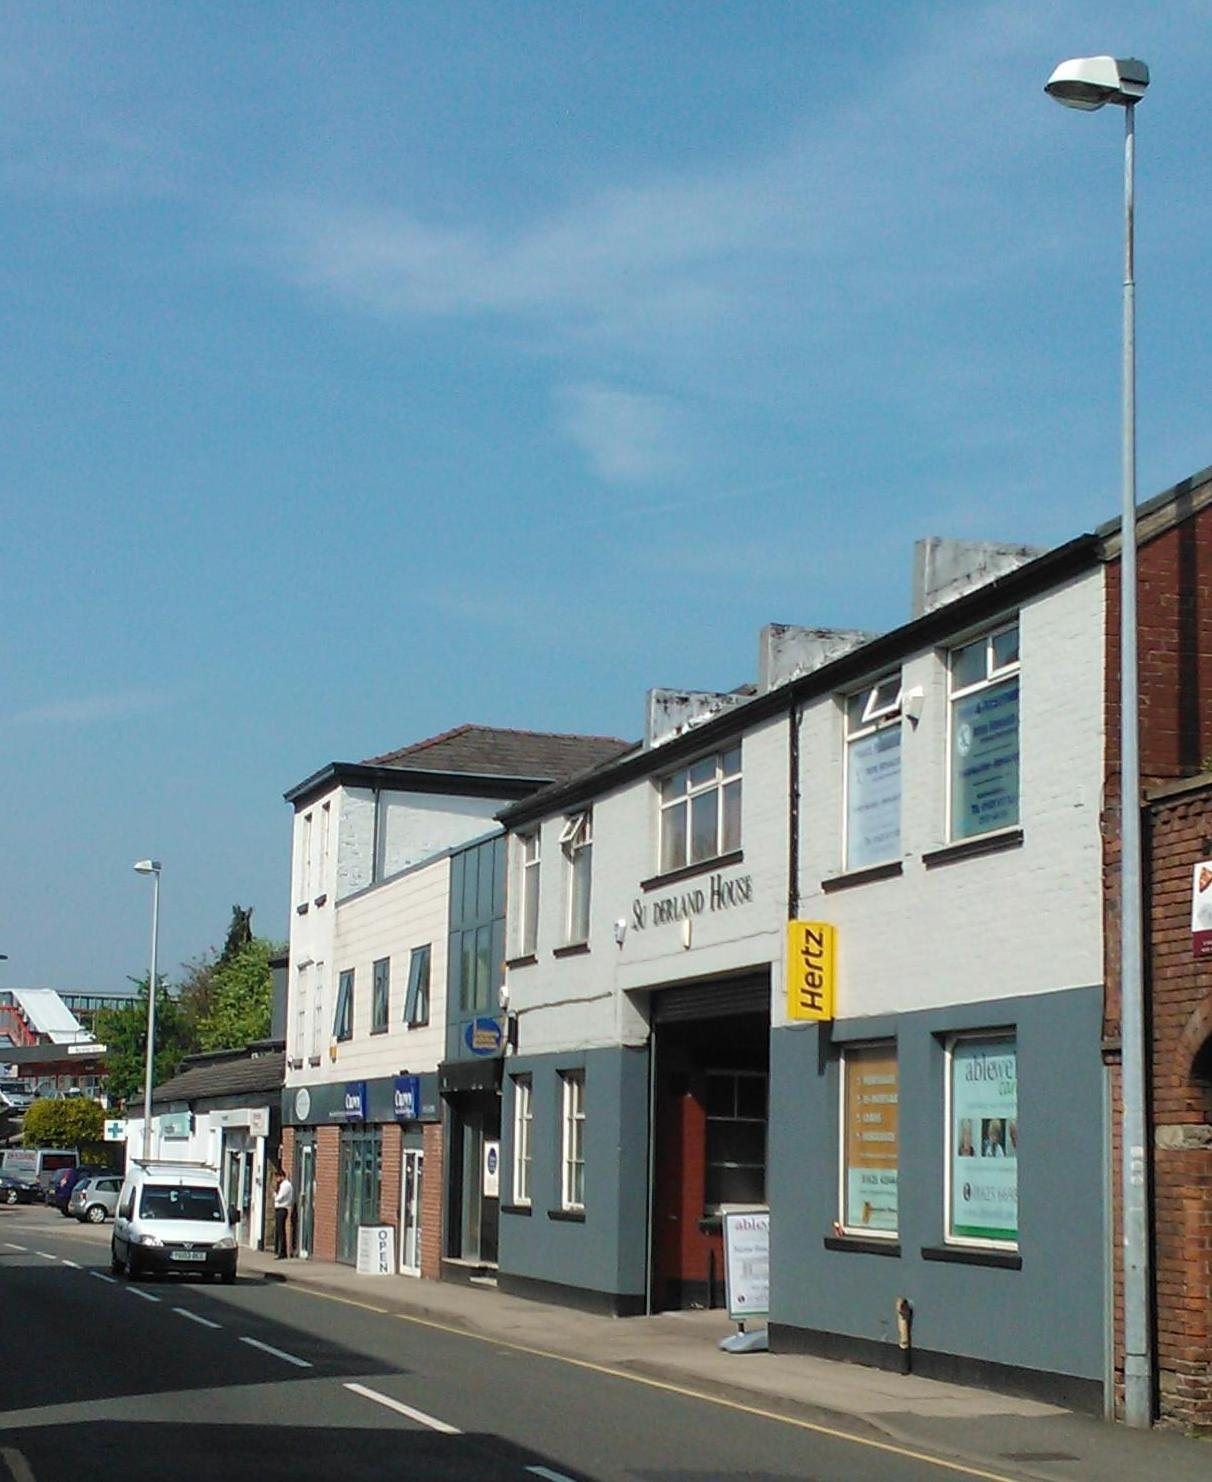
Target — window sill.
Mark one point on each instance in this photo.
(573, 949)
(516, 1209)
(320, 899)
(382, 1029)
(301, 909)
(973, 1255)
(863, 1245)
(992, 843)
(847, 878)
(420, 1024)
(524, 961)
(700, 867)
(313, 1060)
(568, 1216)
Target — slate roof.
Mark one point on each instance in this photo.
(264, 1075)
(490, 751)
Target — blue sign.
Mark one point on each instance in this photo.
(406, 1094)
(483, 1036)
(355, 1101)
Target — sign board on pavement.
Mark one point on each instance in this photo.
(747, 1260)
(376, 1250)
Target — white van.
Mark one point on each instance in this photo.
(172, 1217)
(37, 1165)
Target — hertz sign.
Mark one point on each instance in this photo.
(811, 969)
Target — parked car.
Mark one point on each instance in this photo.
(65, 1180)
(95, 1197)
(15, 1190)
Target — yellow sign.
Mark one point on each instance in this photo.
(811, 969)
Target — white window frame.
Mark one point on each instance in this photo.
(881, 711)
(523, 1129)
(303, 976)
(684, 798)
(317, 1013)
(576, 840)
(572, 1138)
(863, 1231)
(530, 858)
(325, 844)
(995, 674)
(1004, 1036)
(305, 858)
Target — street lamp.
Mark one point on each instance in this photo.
(150, 867)
(1089, 83)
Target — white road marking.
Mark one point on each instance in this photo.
(101, 1276)
(147, 1296)
(18, 1468)
(11, 1246)
(72, 1264)
(46, 1255)
(418, 1415)
(549, 1474)
(196, 1317)
(277, 1352)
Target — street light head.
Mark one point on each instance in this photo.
(148, 867)
(1089, 82)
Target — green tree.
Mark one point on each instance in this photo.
(240, 998)
(63, 1124)
(124, 1032)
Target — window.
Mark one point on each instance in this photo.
(873, 774)
(982, 1140)
(342, 1024)
(416, 1000)
(325, 826)
(317, 1013)
(870, 1139)
(736, 1138)
(572, 1144)
(476, 945)
(305, 859)
(577, 842)
(380, 996)
(179, 1202)
(523, 1116)
(528, 937)
(302, 1000)
(701, 810)
(984, 733)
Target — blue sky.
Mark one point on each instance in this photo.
(372, 368)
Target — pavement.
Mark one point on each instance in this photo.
(992, 1435)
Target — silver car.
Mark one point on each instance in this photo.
(95, 1198)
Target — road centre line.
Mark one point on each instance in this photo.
(18, 1468)
(197, 1317)
(136, 1292)
(549, 1474)
(419, 1416)
(101, 1276)
(277, 1352)
(75, 1265)
(11, 1246)
(46, 1255)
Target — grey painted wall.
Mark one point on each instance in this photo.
(1048, 1315)
(605, 1253)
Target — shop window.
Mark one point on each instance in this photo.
(873, 774)
(736, 1139)
(870, 1139)
(572, 1141)
(380, 996)
(576, 840)
(523, 1117)
(528, 933)
(701, 810)
(984, 744)
(416, 1001)
(342, 1024)
(982, 1140)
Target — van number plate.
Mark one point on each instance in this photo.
(189, 1255)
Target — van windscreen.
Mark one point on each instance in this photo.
(179, 1202)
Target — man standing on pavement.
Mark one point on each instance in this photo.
(284, 1198)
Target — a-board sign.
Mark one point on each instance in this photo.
(747, 1260)
(376, 1250)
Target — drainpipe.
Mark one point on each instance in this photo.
(794, 716)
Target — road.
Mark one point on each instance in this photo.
(179, 1379)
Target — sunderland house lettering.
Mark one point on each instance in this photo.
(722, 894)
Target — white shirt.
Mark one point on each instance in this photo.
(284, 1196)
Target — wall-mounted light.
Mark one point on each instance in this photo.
(620, 930)
(913, 702)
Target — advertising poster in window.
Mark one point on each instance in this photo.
(873, 831)
(1201, 909)
(872, 1139)
(984, 1140)
(984, 761)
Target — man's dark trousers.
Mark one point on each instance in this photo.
(280, 1249)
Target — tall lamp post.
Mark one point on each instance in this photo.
(1089, 83)
(150, 867)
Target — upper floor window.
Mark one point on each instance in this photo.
(984, 745)
(873, 774)
(317, 1012)
(302, 994)
(380, 996)
(576, 840)
(325, 845)
(528, 937)
(342, 1024)
(701, 810)
(305, 858)
(416, 1002)
(523, 1121)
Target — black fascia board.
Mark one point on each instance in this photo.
(949, 620)
(411, 779)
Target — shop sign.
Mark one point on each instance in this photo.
(811, 969)
(258, 1121)
(984, 1140)
(353, 1108)
(721, 893)
(302, 1104)
(872, 1138)
(174, 1126)
(406, 1097)
(1201, 909)
(483, 1036)
(492, 1170)
(115, 1130)
(376, 1250)
(747, 1261)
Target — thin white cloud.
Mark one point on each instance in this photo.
(89, 709)
(628, 438)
